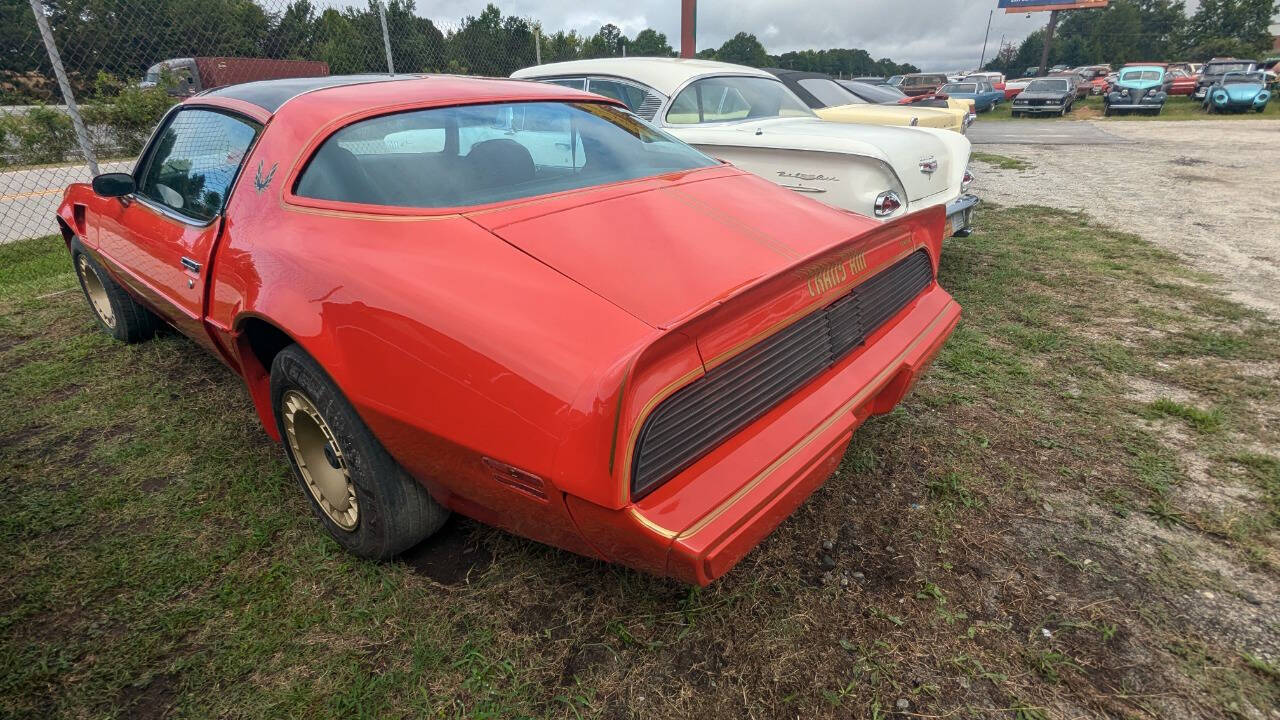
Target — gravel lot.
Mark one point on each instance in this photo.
(1208, 190)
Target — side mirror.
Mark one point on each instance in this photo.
(114, 185)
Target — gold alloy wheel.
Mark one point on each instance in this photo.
(320, 460)
(96, 292)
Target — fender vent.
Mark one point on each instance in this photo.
(705, 413)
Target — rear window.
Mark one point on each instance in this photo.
(477, 154)
(829, 93)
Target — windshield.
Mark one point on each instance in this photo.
(879, 94)
(954, 88)
(721, 99)
(1219, 68)
(476, 154)
(1048, 86)
(829, 93)
(894, 80)
(1243, 77)
(1139, 75)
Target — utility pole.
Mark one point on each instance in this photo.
(386, 37)
(77, 123)
(537, 44)
(1048, 40)
(984, 41)
(688, 28)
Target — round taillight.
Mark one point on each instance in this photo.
(887, 203)
(966, 181)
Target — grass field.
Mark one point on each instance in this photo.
(1175, 108)
(1074, 515)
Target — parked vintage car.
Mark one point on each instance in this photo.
(922, 83)
(515, 301)
(1079, 86)
(832, 101)
(889, 95)
(1238, 92)
(1213, 71)
(1138, 88)
(1178, 82)
(1094, 77)
(1045, 96)
(996, 79)
(746, 116)
(1012, 88)
(984, 96)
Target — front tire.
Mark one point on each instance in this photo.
(362, 496)
(114, 309)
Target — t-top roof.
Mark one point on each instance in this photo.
(271, 94)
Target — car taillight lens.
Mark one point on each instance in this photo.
(967, 181)
(887, 203)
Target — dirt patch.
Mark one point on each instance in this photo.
(151, 701)
(1132, 186)
(452, 556)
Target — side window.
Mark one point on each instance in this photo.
(194, 160)
(630, 95)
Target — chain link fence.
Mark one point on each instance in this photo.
(123, 63)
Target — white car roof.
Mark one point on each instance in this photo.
(665, 75)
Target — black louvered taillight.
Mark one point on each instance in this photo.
(705, 413)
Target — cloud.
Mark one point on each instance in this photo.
(933, 34)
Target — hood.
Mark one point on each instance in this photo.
(1242, 92)
(666, 254)
(902, 148)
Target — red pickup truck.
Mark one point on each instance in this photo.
(188, 76)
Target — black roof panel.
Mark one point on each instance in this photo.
(271, 94)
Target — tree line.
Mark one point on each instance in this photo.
(1148, 30)
(122, 38)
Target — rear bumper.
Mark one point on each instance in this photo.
(700, 524)
(960, 215)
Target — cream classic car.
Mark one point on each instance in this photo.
(833, 101)
(749, 118)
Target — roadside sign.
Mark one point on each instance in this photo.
(1023, 6)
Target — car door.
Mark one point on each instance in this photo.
(161, 237)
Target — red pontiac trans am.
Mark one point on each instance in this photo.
(515, 301)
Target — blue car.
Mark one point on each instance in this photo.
(1238, 92)
(983, 95)
(1139, 88)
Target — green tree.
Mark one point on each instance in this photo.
(1238, 27)
(650, 43)
(561, 46)
(743, 49)
(607, 42)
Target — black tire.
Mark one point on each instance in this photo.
(113, 308)
(393, 511)
(1013, 113)
(1106, 111)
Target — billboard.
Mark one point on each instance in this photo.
(1022, 6)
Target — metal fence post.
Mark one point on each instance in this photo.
(386, 38)
(82, 134)
(537, 45)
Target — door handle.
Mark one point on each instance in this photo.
(191, 265)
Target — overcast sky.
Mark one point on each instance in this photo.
(933, 34)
